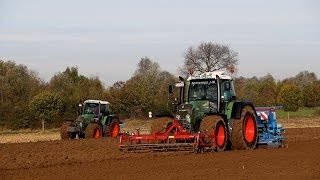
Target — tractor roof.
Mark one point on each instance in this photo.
(96, 101)
(210, 75)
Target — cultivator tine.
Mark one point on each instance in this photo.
(157, 147)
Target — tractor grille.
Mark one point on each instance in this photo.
(183, 110)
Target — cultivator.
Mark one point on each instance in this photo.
(172, 138)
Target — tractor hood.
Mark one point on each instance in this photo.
(194, 111)
(201, 108)
(86, 119)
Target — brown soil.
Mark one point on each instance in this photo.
(91, 158)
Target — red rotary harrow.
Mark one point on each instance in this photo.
(172, 138)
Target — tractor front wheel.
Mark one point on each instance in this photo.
(215, 128)
(244, 131)
(93, 130)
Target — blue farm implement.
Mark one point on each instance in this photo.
(269, 130)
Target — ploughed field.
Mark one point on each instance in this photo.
(100, 158)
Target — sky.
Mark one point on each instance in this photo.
(107, 38)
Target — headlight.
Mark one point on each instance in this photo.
(188, 118)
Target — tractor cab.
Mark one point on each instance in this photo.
(94, 109)
(97, 108)
(211, 86)
(201, 95)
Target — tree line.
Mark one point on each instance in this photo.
(26, 100)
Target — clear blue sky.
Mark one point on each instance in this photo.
(108, 38)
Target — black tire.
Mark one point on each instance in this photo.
(244, 131)
(64, 134)
(113, 129)
(216, 127)
(160, 124)
(93, 130)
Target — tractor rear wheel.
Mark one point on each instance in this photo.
(113, 129)
(215, 127)
(64, 134)
(160, 124)
(93, 130)
(244, 131)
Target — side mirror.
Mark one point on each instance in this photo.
(171, 89)
(222, 98)
(175, 101)
(80, 109)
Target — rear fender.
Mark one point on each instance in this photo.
(237, 108)
(111, 117)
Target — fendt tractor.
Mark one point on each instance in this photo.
(208, 117)
(94, 121)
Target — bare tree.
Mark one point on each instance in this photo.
(208, 57)
(146, 65)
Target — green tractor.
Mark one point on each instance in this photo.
(208, 101)
(95, 121)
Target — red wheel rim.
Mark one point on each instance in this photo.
(96, 133)
(249, 129)
(115, 130)
(220, 135)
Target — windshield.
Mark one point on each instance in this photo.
(93, 108)
(203, 90)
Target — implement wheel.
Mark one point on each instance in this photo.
(215, 127)
(160, 124)
(113, 129)
(244, 131)
(64, 134)
(93, 130)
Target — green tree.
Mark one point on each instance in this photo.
(146, 90)
(247, 89)
(311, 94)
(75, 88)
(18, 85)
(116, 95)
(303, 78)
(47, 107)
(267, 91)
(163, 98)
(142, 87)
(290, 97)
